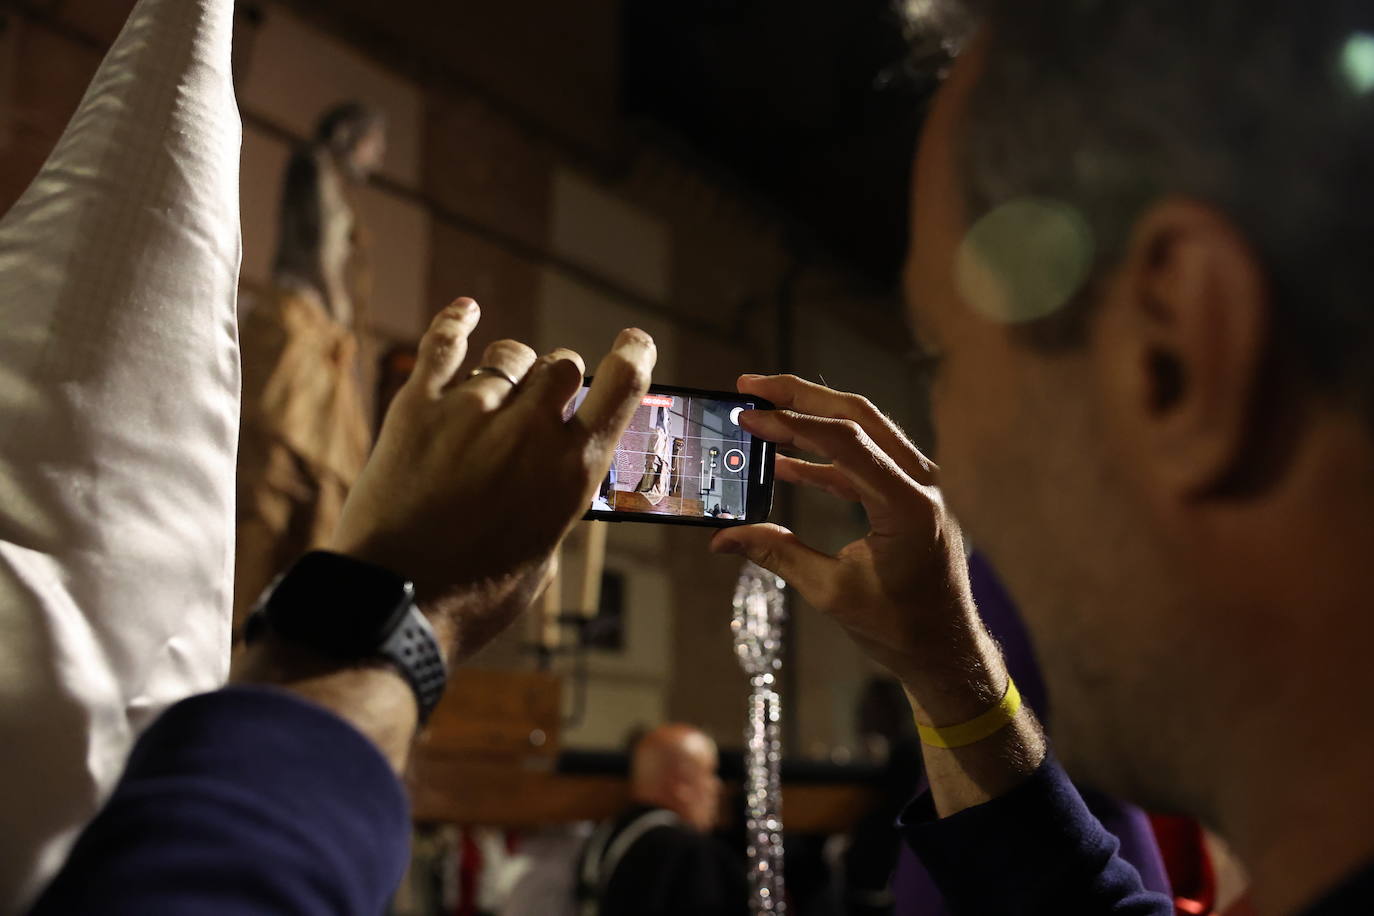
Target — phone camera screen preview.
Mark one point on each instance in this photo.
(683, 455)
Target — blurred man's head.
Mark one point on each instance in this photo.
(674, 767)
(1140, 256)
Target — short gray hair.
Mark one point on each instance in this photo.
(1263, 109)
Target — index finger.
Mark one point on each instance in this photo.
(444, 347)
(617, 388)
(788, 392)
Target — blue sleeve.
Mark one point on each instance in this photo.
(244, 801)
(1035, 850)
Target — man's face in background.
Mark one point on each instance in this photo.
(1024, 467)
(700, 787)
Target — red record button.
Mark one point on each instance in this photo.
(734, 460)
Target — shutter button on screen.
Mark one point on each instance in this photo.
(734, 460)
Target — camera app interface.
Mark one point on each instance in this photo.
(682, 455)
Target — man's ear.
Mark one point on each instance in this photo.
(1180, 349)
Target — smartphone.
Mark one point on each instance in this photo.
(685, 460)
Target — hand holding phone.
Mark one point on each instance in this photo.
(475, 482)
(686, 460)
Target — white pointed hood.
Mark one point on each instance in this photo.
(118, 423)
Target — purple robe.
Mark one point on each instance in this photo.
(915, 892)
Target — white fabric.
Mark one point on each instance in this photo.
(542, 879)
(119, 383)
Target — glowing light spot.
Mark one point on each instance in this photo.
(919, 11)
(1025, 260)
(1357, 63)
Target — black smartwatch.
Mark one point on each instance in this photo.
(352, 611)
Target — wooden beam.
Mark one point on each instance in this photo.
(511, 714)
(502, 794)
(507, 794)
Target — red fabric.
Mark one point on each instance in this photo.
(1185, 859)
(469, 873)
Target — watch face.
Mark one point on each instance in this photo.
(339, 604)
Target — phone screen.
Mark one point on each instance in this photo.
(686, 458)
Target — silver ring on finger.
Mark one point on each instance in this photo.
(496, 371)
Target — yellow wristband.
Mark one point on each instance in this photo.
(978, 728)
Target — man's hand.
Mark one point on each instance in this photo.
(475, 482)
(902, 590)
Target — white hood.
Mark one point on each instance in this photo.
(119, 388)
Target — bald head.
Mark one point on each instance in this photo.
(674, 767)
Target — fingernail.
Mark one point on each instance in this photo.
(727, 547)
(749, 376)
(463, 308)
(635, 335)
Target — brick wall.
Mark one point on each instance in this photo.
(488, 192)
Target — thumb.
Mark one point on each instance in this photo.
(780, 551)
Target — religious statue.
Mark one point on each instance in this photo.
(304, 435)
(657, 462)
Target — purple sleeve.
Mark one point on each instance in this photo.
(244, 801)
(1037, 849)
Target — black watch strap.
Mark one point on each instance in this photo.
(414, 649)
(349, 610)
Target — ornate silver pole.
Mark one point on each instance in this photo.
(760, 610)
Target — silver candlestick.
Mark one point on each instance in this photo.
(760, 609)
